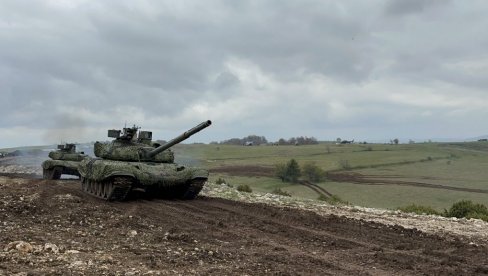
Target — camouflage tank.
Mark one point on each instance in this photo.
(133, 162)
(65, 160)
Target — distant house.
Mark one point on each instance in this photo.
(347, 142)
(249, 143)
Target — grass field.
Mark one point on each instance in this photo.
(395, 173)
(376, 175)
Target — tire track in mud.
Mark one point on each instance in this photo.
(267, 238)
(249, 238)
(206, 214)
(357, 178)
(316, 188)
(331, 246)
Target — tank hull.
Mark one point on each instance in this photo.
(114, 180)
(53, 169)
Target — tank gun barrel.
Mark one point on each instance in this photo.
(180, 138)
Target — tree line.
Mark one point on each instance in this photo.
(260, 140)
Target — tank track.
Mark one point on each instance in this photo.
(54, 173)
(115, 189)
(193, 189)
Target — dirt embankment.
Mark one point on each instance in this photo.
(51, 227)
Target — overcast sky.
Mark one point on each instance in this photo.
(363, 70)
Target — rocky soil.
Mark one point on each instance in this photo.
(52, 228)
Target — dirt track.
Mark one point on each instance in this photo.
(357, 178)
(344, 176)
(71, 232)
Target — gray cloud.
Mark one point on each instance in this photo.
(273, 68)
(399, 7)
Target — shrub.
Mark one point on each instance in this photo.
(419, 209)
(244, 188)
(467, 209)
(312, 172)
(280, 171)
(462, 209)
(292, 171)
(221, 181)
(333, 200)
(278, 191)
(288, 172)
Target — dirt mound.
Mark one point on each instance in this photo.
(49, 227)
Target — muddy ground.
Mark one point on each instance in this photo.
(51, 227)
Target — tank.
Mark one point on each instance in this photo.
(133, 162)
(64, 160)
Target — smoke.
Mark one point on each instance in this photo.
(66, 129)
(186, 157)
(26, 161)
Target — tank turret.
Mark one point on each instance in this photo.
(67, 152)
(132, 146)
(133, 161)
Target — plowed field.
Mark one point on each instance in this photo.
(67, 232)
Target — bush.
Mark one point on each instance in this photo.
(280, 171)
(278, 191)
(333, 200)
(244, 188)
(312, 172)
(462, 209)
(221, 181)
(288, 172)
(292, 171)
(419, 209)
(467, 209)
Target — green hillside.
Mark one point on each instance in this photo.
(372, 175)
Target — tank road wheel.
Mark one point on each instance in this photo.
(108, 189)
(99, 189)
(116, 188)
(54, 173)
(97, 186)
(89, 186)
(90, 189)
(83, 183)
(194, 187)
(103, 190)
